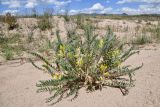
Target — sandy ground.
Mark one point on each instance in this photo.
(17, 86)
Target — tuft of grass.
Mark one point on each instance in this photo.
(79, 21)
(30, 37)
(11, 21)
(44, 22)
(66, 16)
(142, 39)
(155, 31)
(45, 46)
(8, 53)
(1, 18)
(11, 46)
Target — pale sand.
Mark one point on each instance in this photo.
(17, 86)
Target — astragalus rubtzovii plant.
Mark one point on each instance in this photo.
(89, 61)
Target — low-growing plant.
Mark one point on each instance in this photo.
(89, 61)
(142, 39)
(11, 46)
(66, 16)
(8, 53)
(11, 21)
(157, 32)
(9, 40)
(79, 21)
(1, 18)
(139, 21)
(154, 30)
(44, 23)
(45, 46)
(30, 37)
(34, 13)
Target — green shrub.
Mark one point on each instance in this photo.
(142, 39)
(157, 32)
(30, 37)
(11, 21)
(1, 18)
(8, 53)
(90, 62)
(9, 40)
(154, 30)
(44, 23)
(80, 21)
(66, 16)
(10, 46)
(45, 46)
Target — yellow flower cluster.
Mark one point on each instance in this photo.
(101, 43)
(57, 76)
(61, 51)
(78, 52)
(115, 56)
(103, 67)
(70, 55)
(106, 74)
(79, 61)
(117, 63)
(116, 52)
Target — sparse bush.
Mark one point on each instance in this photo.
(10, 46)
(66, 16)
(148, 23)
(9, 40)
(90, 62)
(157, 32)
(142, 39)
(139, 21)
(30, 37)
(154, 31)
(45, 46)
(11, 21)
(1, 18)
(79, 21)
(8, 53)
(48, 12)
(44, 23)
(34, 13)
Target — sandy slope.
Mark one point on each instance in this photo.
(17, 86)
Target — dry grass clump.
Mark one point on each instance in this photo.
(1, 18)
(45, 22)
(11, 21)
(142, 39)
(8, 53)
(80, 21)
(10, 46)
(154, 31)
(150, 17)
